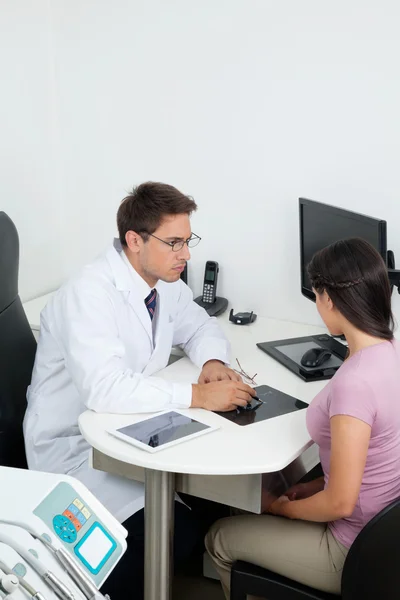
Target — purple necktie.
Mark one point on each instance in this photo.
(151, 302)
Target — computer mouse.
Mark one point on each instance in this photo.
(315, 357)
(255, 403)
(240, 409)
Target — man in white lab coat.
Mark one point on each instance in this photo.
(106, 333)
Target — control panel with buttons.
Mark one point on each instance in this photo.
(79, 530)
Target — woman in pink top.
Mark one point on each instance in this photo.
(355, 421)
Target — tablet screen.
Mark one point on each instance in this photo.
(162, 429)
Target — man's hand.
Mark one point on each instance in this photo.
(221, 395)
(215, 370)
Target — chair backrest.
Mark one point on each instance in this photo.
(17, 350)
(372, 567)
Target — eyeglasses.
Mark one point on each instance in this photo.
(178, 245)
(244, 374)
(256, 402)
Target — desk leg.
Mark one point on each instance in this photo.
(159, 529)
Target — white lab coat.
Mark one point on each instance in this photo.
(99, 350)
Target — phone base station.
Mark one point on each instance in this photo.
(215, 308)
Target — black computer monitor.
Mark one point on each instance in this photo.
(322, 224)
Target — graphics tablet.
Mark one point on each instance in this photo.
(272, 403)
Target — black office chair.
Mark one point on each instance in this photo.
(371, 570)
(17, 350)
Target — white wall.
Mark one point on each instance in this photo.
(245, 104)
(29, 190)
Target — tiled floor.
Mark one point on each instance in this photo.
(196, 588)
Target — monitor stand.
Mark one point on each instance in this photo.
(340, 337)
(394, 274)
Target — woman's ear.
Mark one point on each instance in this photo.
(329, 303)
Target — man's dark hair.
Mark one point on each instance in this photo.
(145, 207)
(355, 277)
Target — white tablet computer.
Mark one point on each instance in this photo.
(163, 430)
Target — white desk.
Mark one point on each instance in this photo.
(235, 465)
(33, 308)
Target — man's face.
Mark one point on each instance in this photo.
(158, 260)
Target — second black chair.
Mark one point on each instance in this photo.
(371, 570)
(17, 350)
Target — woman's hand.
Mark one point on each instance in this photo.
(300, 491)
(305, 490)
(278, 507)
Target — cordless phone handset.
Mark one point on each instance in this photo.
(210, 282)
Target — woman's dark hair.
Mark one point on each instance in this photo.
(146, 206)
(355, 277)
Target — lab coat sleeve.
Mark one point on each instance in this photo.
(95, 358)
(196, 333)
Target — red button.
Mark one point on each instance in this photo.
(77, 524)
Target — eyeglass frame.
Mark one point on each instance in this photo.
(243, 373)
(194, 236)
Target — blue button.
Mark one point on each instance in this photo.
(81, 518)
(64, 529)
(73, 509)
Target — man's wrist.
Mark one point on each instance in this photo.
(197, 400)
(213, 360)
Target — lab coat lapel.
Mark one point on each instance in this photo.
(137, 302)
(162, 323)
(163, 336)
(125, 283)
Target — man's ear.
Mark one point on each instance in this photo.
(133, 241)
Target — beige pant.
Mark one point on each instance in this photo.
(303, 551)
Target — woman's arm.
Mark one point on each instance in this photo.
(349, 447)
